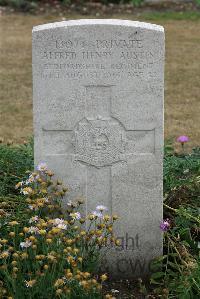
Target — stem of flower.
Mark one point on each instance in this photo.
(186, 214)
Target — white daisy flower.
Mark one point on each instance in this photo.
(75, 215)
(25, 244)
(34, 219)
(58, 221)
(97, 214)
(33, 230)
(101, 208)
(62, 226)
(26, 190)
(31, 179)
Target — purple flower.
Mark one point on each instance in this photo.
(165, 225)
(42, 167)
(182, 139)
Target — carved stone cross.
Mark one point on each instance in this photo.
(100, 140)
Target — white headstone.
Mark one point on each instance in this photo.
(98, 124)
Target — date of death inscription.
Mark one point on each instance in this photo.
(105, 60)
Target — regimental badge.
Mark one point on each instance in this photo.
(99, 142)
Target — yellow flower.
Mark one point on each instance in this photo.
(30, 283)
(15, 269)
(82, 220)
(3, 241)
(14, 263)
(117, 242)
(78, 276)
(13, 223)
(51, 257)
(59, 291)
(27, 190)
(44, 224)
(18, 185)
(37, 257)
(24, 255)
(76, 250)
(106, 218)
(91, 217)
(83, 233)
(55, 230)
(44, 191)
(59, 282)
(15, 255)
(98, 232)
(93, 281)
(49, 241)
(42, 232)
(80, 259)
(32, 238)
(115, 217)
(12, 234)
(46, 267)
(86, 274)
(4, 254)
(50, 173)
(84, 283)
(110, 229)
(103, 277)
(26, 229)
(69, 275)
(69, 241)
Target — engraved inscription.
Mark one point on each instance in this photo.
(99, 44)
(80, 58)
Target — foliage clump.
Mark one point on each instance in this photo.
(15, 160)
(28, 5)
(175, 275)
(179, 268)
(54, 250)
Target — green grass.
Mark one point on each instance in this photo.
(14, 162)
(172, 15)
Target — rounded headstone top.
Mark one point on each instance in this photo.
(109, 22)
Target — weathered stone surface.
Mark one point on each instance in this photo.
(98, 121)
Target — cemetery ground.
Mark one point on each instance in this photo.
(182, 74)
(24, 273)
